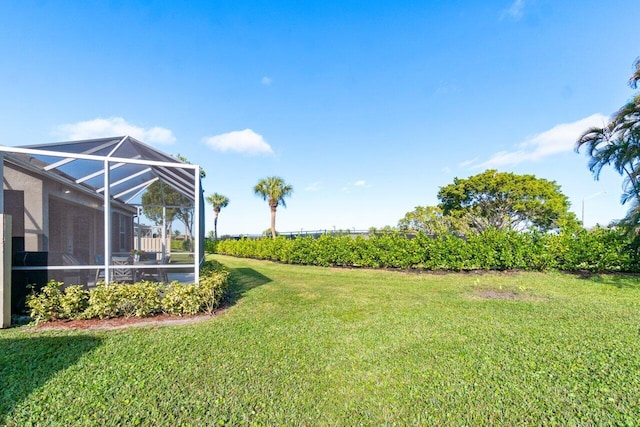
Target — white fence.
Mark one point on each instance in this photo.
(151, 244)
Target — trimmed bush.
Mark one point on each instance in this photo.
(182, 299)
(53, 303)
(46, 305)
(212, 289)
(139, 299)
(600, 249)
(74, 302)
(210, 245)
(205, 297)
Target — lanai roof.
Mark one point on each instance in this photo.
(133, 165)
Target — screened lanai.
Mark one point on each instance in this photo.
(78, 208)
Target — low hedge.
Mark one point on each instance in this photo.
(600, 249)
(140, 299)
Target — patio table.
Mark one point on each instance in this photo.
(146, 273)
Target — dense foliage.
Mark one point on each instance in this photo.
(139, 299)
(431, 220)
(617, 144)
(599, 249)
(506, 201)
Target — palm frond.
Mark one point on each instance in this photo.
(218, 201)
(635, 77)
(618, 145)
(273, 189)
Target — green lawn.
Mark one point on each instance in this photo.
(319, 346)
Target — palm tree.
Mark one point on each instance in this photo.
(218, 201)
(635, 77)
(273, 189)
(618, 144)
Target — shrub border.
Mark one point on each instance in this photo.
(596, 250)
(140, 299)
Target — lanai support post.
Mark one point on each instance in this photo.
(2, 182)
(5, 256)
(107, 224)
(197, 258)
(5, 271)
(164, 231)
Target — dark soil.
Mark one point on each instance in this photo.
(124, 322)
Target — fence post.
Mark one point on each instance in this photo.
(5, 271)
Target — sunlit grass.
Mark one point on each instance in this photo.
(319, 346)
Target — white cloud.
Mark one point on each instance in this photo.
(113, 126)
(241, 141)
(313, 187)
(515, 11)
(266, 81)
(559, 139)
(467, 163)
(361, 183)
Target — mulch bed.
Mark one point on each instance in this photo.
(124, 322)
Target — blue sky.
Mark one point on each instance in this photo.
(366, 108)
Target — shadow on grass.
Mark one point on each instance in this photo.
(28, 363)
(243, 280)
(619, 280)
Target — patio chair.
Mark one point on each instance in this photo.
(162, 272)
(73, 277)
(100, 271)
(121, 274)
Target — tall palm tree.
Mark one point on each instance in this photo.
(218, 201)
(273, 189)
(618, 144)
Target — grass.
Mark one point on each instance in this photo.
(319, 346)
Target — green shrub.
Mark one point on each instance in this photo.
(148, 298)
(103, 302)
(141, 299)
(205, 297)
(53, 303)
(182, 299)
(47, 304)
(138, 299)
(74, 302)
(212, 288)
(600, 249)
(210, 245)
(187, 245)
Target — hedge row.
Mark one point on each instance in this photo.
(139, 299)
(595, 250)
